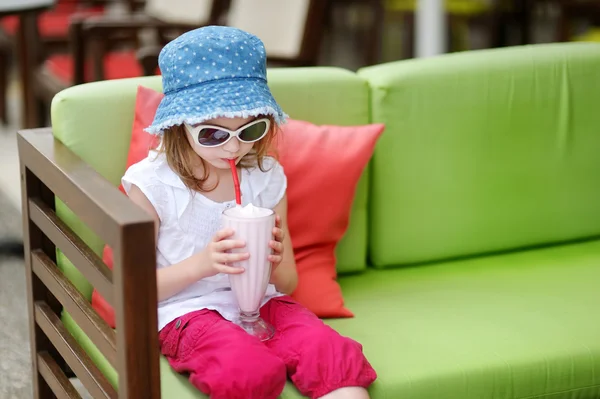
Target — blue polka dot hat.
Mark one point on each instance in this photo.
(210, 72)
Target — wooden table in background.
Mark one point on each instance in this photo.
(27, 11)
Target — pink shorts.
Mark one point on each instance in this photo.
(224, 362)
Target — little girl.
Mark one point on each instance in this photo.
(218, 107)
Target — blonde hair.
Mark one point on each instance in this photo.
(182, 158)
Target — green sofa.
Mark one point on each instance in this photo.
(472, 260)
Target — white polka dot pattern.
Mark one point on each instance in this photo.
(210, 72)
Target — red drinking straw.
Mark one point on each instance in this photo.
(236, 182)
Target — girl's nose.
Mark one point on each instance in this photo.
(232, 145)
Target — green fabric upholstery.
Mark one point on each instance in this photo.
(519, 325)
(484, 151)
(522, 325)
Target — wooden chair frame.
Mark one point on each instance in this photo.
(50, 170)
(49, 45)
(97, 33)
(312, 38)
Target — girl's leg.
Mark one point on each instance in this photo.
(319, 360)
(222, 360)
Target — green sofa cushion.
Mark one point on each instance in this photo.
(512, 326)
(484, 151)
(318, 95)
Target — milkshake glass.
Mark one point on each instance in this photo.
(253, 225)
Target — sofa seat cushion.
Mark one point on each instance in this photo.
(518, 325)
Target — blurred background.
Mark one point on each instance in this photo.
(49, 45)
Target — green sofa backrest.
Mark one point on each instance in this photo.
(484, 151)
(334, 96)
(94, 120)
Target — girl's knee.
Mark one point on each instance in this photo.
(249, 376)
(328, 340)
(329, 362)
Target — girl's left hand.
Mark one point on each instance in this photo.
(276, 245)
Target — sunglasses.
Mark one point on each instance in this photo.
(215, 136)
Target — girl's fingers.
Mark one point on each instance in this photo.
(276, 246)
(226, 245)
(222, 234)
(277, 221)
(275, 259)
(230, 258)
(278, 234)
(229, 269)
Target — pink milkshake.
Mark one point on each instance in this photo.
(253, 225)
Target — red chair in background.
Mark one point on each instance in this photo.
(53, 28)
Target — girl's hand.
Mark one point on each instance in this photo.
(276, 245)
(215, 259)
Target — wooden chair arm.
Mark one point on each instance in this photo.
(50, 170)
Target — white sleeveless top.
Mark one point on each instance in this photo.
(188, 221)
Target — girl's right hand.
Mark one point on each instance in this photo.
(215, 258)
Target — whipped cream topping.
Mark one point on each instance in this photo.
(249, 211)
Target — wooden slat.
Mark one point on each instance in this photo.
(89, 375)
(76, 250)
(80, 309)
(33, 238)
(55, 378)
(86, 261)
(103, 208)
(137, 332)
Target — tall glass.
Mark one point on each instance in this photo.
(250, 287)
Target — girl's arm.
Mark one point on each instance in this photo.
(285, 276)
(175, 278)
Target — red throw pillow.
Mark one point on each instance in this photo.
(323, 165)
(146, 103)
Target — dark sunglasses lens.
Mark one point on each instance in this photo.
(211, 137)
(254, 132)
